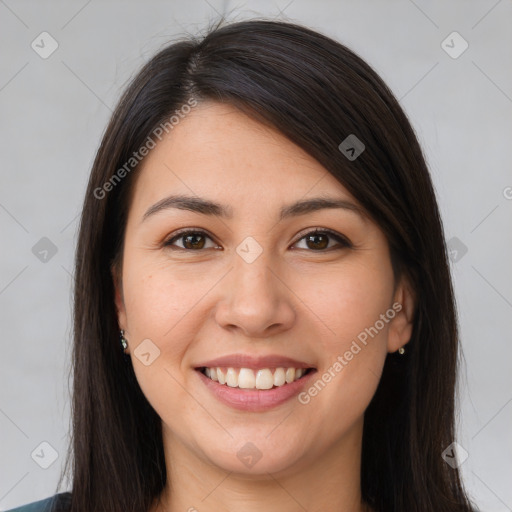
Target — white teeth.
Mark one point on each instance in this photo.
(245, 378)
(279, 377)
(264, 379)
(231, 378)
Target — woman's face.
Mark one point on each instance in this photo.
(252, 285)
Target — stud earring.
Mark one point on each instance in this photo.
(124, 342)
(401, 350)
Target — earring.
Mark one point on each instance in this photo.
(124, 342)
(401, 350)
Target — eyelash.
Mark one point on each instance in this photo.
(344, 242)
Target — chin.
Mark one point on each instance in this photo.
(254, 458)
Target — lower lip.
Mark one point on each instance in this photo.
(255, 400)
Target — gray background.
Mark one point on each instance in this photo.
(54, 111)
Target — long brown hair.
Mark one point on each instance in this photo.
(316, 92)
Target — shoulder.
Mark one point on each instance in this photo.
(57, 503)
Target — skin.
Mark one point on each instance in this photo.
(294, 300)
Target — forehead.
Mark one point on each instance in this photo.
(218, 151)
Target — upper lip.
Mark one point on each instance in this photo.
(253, 362)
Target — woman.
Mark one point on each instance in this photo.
(260, 237)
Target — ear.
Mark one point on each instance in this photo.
(400, 329)
(118, 296)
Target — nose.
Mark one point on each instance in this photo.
(256, 300)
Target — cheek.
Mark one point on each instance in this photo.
(350, 300)
(158, 298)
(356, 309)
(160, 308)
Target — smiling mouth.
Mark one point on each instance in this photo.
(262, 379)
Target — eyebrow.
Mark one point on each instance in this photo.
(208, 207)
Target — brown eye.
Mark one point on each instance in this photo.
(191, 240)
(195, 241)
(318, 240)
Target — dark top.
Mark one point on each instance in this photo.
(57, 503)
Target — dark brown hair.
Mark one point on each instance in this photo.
(316, 92)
